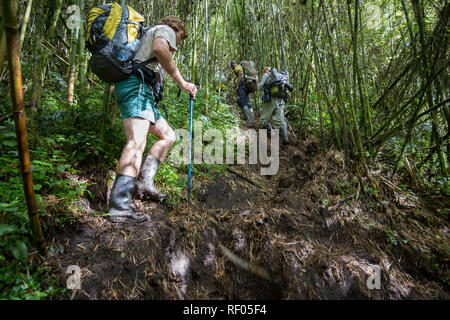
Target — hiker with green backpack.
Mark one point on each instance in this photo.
(136, 60)
(245, 81)
(276, 87)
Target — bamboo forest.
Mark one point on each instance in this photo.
(224, 150)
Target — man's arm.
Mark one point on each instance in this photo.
(238, 79)
(161, 49)
(263, 81)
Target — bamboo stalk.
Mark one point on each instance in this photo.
(2, 45)
(73, 67)
(207, 56)
(224, 41)
(83, 63)
(37, 61)
(244, 264)
(12, 38)
(23, 29)
(428, 68)
(366, 95)
(354, 33)
(194, 75)
(275, 44)
(55, 19)
(283, 50)
(214, 55)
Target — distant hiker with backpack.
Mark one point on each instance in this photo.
(220, 81)
(138, 96)
(276, 88)
(242, 91)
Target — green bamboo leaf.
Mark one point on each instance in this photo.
(20, 251)
(9, 134)
(9, 207)
(9, 143)
(7, 228)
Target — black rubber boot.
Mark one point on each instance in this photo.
(284, 134)
(268, 126)
(145, 187)
(120, 201)
(248, 112)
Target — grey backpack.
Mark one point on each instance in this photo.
(277, 85)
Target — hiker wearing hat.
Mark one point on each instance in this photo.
(137, 97)
(274, 86)
(242, 91)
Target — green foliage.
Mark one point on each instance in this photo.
(171, 177)
(55, 191)
(84, 131)
(220, 115)
(88, 136)
(170, 180)
(62, 139)
(344, 187)
(20, 281)
(5, 102)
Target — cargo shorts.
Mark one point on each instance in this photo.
(136, 99)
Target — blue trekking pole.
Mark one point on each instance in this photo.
(191, 103)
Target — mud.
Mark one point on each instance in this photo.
(286, 242)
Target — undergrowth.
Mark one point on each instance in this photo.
(63, 140)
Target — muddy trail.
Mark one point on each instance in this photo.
(304, 233)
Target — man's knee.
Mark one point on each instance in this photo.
(171, 137)
(136, 146)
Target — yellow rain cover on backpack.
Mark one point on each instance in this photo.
(116, 22)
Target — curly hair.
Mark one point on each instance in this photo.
(176, 24)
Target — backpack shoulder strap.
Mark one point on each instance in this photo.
(145, 62)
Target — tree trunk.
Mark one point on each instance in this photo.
(12, 34)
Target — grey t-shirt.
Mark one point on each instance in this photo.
(145, 50)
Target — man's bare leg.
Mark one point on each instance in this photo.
(136, 130)
(120, 201)
(145, 188)
(166, 136)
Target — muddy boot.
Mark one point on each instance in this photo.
(145, 188)
(248, 112)
(119, 204)
(268, 126)
(284, 134)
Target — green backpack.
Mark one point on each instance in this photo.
(250, 75)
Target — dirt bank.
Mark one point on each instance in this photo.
(308, 232)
